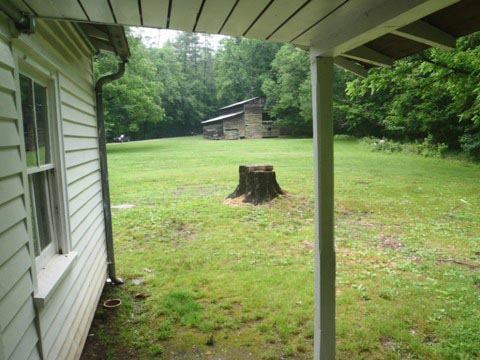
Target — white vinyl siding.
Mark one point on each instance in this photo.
(65, 320)
(58, 51)
(18, 336)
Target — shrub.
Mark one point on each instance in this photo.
(425, 148)
(429, 149)
(471, 145)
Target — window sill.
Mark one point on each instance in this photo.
(50, 277)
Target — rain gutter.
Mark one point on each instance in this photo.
(107, 212)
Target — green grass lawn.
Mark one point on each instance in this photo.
(236, 282)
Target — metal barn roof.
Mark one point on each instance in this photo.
(223, 117)
(359, 33)
(239, 103)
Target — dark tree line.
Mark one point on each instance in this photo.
(165, 91)
(168, 91)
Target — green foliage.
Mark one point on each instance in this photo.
(240, 65)
(288, 90)
(195, 101)
(168, 91)
(425, 148)
(471, 144)
(165, 91)
(429, 148)
(433, 95)
(135, 99)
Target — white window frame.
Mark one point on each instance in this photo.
(54, 247)
(49, 270)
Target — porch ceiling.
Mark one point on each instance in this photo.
(367, 32)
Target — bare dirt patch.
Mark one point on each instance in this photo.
(184, 230)
(308, 244)
(388, 343)
(220, 352)
(368, 224)
(342, 209)
(182, 235)
(467, 265)
(390, 242)
(123, 206)
(102, 334)
(199, 190)
(238, 201)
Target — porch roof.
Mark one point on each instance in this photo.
(360, 34)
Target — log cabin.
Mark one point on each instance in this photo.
(242, 120)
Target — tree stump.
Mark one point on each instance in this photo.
(257, 183)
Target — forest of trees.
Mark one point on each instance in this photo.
(431, 97)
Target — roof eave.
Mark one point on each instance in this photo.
(109, 38)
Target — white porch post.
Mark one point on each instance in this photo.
(322, 108)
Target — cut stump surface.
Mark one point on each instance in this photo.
(258, 183)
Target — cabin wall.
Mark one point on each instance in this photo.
(213, 131)
(234, 128)
(253, 120)
(63, 322)
(270, 129)
(18, 334)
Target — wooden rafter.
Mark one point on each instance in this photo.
(102, 45)
(351, 66)
(94, 32)
(369, 56)
(422, 32)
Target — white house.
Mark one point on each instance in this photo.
(56, 246)
(53, 251)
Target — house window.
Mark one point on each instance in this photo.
(40, 168)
